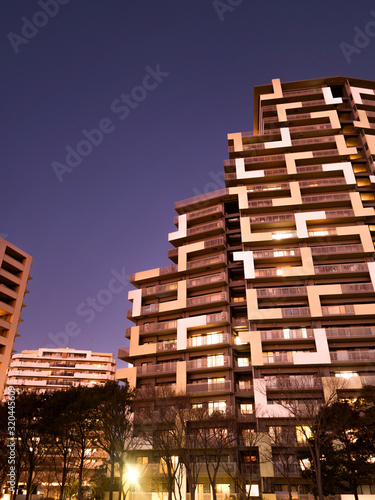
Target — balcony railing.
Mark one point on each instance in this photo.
(206, 280)
(283, 469)
(207, 262)
(170, 345)
(277, 358)
(353, 331)
(341, 268)
(205, 212)
(287, 334)
(318, 102)
(159, 289)
(207, 299)
(123, 353)
(282, 291)
(293, 382)
(208, 340)
(206, 228)
(163, 326)
(209, 362)
(169, 367)
(336, 249)
(201, 198)
(364, 355)
(219, 387)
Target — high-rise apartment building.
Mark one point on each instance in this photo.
(271, 294)
(14, 274)
(52, 369)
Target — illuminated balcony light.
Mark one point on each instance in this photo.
(282, 236)
(279, 272)
(283, 253)
(318, 233)
(346, 375)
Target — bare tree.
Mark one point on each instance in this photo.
(217, 437)
(158, 423)
(247, 441)
(284, 456)
(305, 413)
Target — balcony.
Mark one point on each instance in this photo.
(204, 300)
(277, 358)
(240, 321)
(167, 345)
(366, 355)
(305, 104)
(123, 354)
(352, 332)
(209, 340)
(259, 159)
(209, 362)
(337, 250)
(201, 200)
(342, 269)
(10, 277)
(193, 302)
(209, 262)
(319, 270)
(293, 382)
(207, 280)
(148, 369)
(4, 323)
(292, 93)
(209, 389)
(159, 290)
(282, 292)
(170, 326)
(283, 469)
(287, 334)
(8, 292)
(205, 213)
(281, 495)
(213, 244)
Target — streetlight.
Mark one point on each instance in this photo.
(131, 476)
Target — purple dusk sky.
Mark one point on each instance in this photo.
(189, 66)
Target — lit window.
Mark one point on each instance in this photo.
(253, 489)
(243, 362)
(305, 464)
(217, 360)
(196, 406)
(246, 408)
(244, 385)
(274, 432)
(220, 406)
(217, 380)
(303, 433)
(196, 341)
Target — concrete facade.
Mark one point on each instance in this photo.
(14, 275)
(271, 294)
